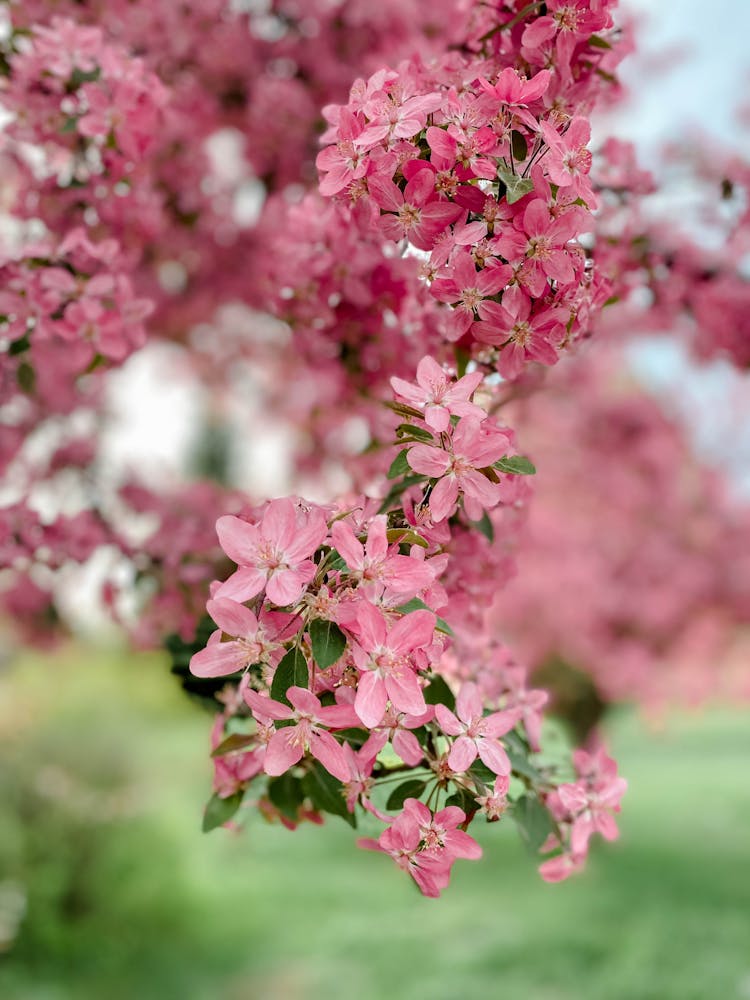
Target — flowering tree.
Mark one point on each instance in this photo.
(414, 264)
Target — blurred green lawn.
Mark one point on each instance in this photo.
(103, 780)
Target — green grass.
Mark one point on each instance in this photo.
(103, 780)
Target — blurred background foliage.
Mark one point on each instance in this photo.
(109, 889)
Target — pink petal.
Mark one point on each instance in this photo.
(376, 545)
(307, 537)
(404, 691)
(406, 745)
(463, 754)
(469, 703)
(286, 585)
(443, 498)
(413, 631)
(267, 707)
(218, 660)
(238, 539)
(447, 721)
(371, 699)
(232, 618)
(500, 723)
(330, 754)
(348, 545)
(493, 755)
(437, 417)
(243, 584)
(385, 193)
(283, 751)
(461, 845)
(428, 461)
(304, 701)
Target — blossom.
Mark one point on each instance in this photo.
(541, 241)
(521, 335)
(473, 445)
(513, 91)
(468, 289)
(416, 214)
(438, 395)
(494, 804)
(385, 657)
(440, 833)
(288, 745)
(273, 554)
(255, 641)
(477, 734)
(374, 565)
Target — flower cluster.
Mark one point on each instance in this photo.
(480, 166)
(70, 308)
(329, 635)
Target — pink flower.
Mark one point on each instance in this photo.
(288, 745)
(273, 554)
(515, 92)
(403, 842)
(473, 445)
(416, 214)
(562, 866)
(386, 658)
(543, 244)
(396, 727)
(568, 159)
(255, 642)
(440, 833)
(344, 162)
(439, 395)
(391, 118)
(477, 733)
(374, 565)
(467, 289)
(495, 804)
(521, 336)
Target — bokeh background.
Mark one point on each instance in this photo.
(109, 889)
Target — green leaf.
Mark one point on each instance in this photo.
(463, 357)
(79, 76)
(405, 536)
(521, 765)
(411, 789)
(515, 187)
(517, 465)
(20, 345)
(415, 604)
(518, 145)
(485, 526)
(399, 466)
(597, 42)
(534, 821)
(411, 430)
(438, 692)
(357, 737)
(480, 770)
(396, 491)
(286, 794)
(464, 800)
(292, 671)
(336, 561)
(326, 793)
(403, 410)
(233, 743)
(219, 811)
(26, 377)
(328, 642)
